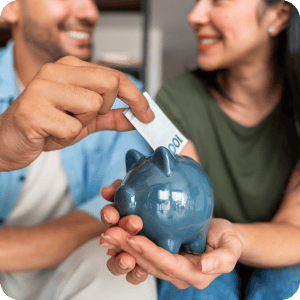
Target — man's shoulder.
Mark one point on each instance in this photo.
(2, 53)
(8, 86)
(6, 51)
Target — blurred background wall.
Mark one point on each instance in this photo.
(179, 44)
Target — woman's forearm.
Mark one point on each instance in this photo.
(45, 245)
(270, 244)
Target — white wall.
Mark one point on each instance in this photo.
(179, 40)
(119, 38)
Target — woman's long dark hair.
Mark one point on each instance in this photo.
(287, 61)
(291, 64)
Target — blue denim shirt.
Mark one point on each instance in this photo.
(96, 161)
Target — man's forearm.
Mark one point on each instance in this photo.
(45, 245)
(271, 244)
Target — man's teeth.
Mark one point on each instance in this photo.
(208, 41)
(79, 35)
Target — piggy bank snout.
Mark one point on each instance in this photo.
(125, 201)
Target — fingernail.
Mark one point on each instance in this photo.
(134, 245)
(106, 219)
(150, 115)
(209, 264)
(139, 273)
(111, 252)
(132, 224)
(107, 246)
(122, 265)
(110, 239)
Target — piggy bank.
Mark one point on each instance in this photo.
(172, 195)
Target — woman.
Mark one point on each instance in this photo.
(240, 110)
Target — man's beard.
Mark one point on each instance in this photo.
(42, 38)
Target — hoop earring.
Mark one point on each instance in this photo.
(271, 29)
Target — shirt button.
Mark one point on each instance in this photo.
(22, 178)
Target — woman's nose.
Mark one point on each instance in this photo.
(200, 14)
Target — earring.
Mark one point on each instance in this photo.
(271, 29)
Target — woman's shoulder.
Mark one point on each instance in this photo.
(187, 86)
(186, 80)
(187, 83)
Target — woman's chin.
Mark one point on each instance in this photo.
(207, 67)
(206, 64)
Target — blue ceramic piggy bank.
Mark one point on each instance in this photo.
(172, 195)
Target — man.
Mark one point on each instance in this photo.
(49, 242)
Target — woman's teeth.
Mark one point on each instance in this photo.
(79, 35)
(208, 41)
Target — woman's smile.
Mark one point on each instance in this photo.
(206, 43)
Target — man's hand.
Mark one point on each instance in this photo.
(65, 102)
(137, 256)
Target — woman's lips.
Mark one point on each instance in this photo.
(207, 43)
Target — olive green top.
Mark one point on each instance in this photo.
(248, 166)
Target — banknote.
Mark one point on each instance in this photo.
(161, 131)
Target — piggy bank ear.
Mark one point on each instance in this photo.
(164, 159)
(132, 157)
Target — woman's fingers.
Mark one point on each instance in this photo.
(152, 259)
(108, 192)
(121, 264)
(137, 275)
(217, 262)
(223, 249)
(109, 216)
(222, 252)
(181, 270)
(224, 258)
(124, 263)
(132, 224)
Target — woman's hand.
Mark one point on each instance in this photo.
(137, 256)
(121, 262)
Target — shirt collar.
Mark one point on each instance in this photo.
(8, 85)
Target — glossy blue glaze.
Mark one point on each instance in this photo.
(172, 195)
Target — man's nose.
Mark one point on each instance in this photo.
(200, 14)
(87, 9)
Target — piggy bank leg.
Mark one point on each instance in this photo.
(171, 245)
(199, 244)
